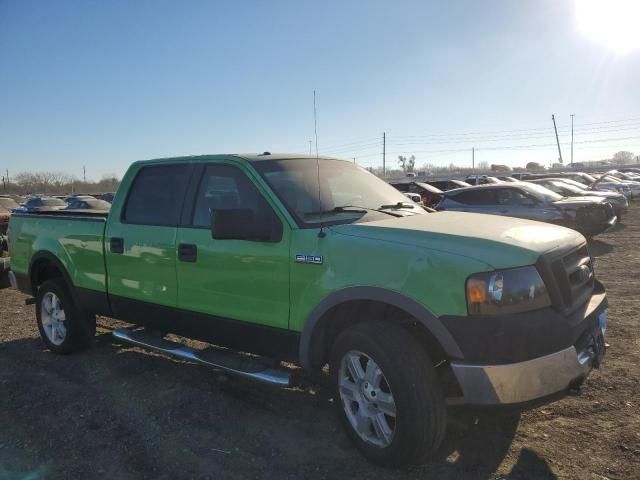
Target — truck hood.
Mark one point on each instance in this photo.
(501, 242)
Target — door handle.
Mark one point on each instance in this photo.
(187, 252)
(117, 245)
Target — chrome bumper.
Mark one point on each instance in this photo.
(524, 381)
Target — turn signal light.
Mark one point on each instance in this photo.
(476, 291)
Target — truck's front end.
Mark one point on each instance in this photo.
(524, 313)
(531, 332)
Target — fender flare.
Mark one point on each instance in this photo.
(377, 294)
(50, 257)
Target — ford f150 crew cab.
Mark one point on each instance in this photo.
(316, 261)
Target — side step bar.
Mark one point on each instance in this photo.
(219, 359)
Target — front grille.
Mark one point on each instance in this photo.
(569, 278)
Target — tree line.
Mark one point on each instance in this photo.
(54, 183)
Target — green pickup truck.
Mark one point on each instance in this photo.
(277, 259)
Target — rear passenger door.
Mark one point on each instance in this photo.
(141, 242)
(241, 280)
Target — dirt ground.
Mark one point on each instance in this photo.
(120, 412)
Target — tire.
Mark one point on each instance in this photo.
(5, 266)
(406, 384)
(63, 327)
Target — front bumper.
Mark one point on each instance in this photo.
(528, 377)
(530, 380)
(596, 228)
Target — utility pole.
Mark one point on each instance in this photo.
(384, 154)
(473, 158)
(8, 180)
(354, 160)
(553, 117)
(310, 141)
(84, 174)
(572, 115)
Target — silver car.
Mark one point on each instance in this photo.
(568, 188)
(588, 215)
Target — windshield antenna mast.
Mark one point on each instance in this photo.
(321, 233)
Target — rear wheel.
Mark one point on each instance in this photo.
(387, 393)
(63, 327)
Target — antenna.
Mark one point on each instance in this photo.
(321, 233)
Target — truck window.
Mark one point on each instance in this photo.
(155, 198)
(223, 187)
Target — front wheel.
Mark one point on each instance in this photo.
(387, 393)
(63, 327)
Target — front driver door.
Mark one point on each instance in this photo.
(239, 280)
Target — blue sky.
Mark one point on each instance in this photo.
(102, 84)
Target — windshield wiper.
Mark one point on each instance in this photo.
(353, 209)
(398, 205)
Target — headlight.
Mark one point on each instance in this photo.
(506, 291)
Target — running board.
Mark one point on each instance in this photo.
(216, 358)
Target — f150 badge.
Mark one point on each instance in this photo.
(312, 259)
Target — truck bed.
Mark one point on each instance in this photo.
(75, 239)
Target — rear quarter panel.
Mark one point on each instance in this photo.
(77, 243)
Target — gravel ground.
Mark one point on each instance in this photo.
(120, 412)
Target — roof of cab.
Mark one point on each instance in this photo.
(251, 157)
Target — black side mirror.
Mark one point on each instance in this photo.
(244, 224)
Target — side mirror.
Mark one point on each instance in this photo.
(244, 224)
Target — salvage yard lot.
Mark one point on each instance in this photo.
(120, 412)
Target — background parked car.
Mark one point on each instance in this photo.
(76, 196)
(88, 205)
(617, 200)
(614, 182)
(597, 187)
(632, 176)
(481, 179)
(588, 215)
(429, 194)
(445, 185)
(107, 197)
(6, 207)
(42, 204)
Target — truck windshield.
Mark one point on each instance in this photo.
(345, 192)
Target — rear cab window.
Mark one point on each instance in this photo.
(156, 195)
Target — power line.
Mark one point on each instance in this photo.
(508, 147)
(522, 136)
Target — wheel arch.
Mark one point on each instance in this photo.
(324, 322)
(45, 265)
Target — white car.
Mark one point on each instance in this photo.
(633, 186)
(601, 187)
